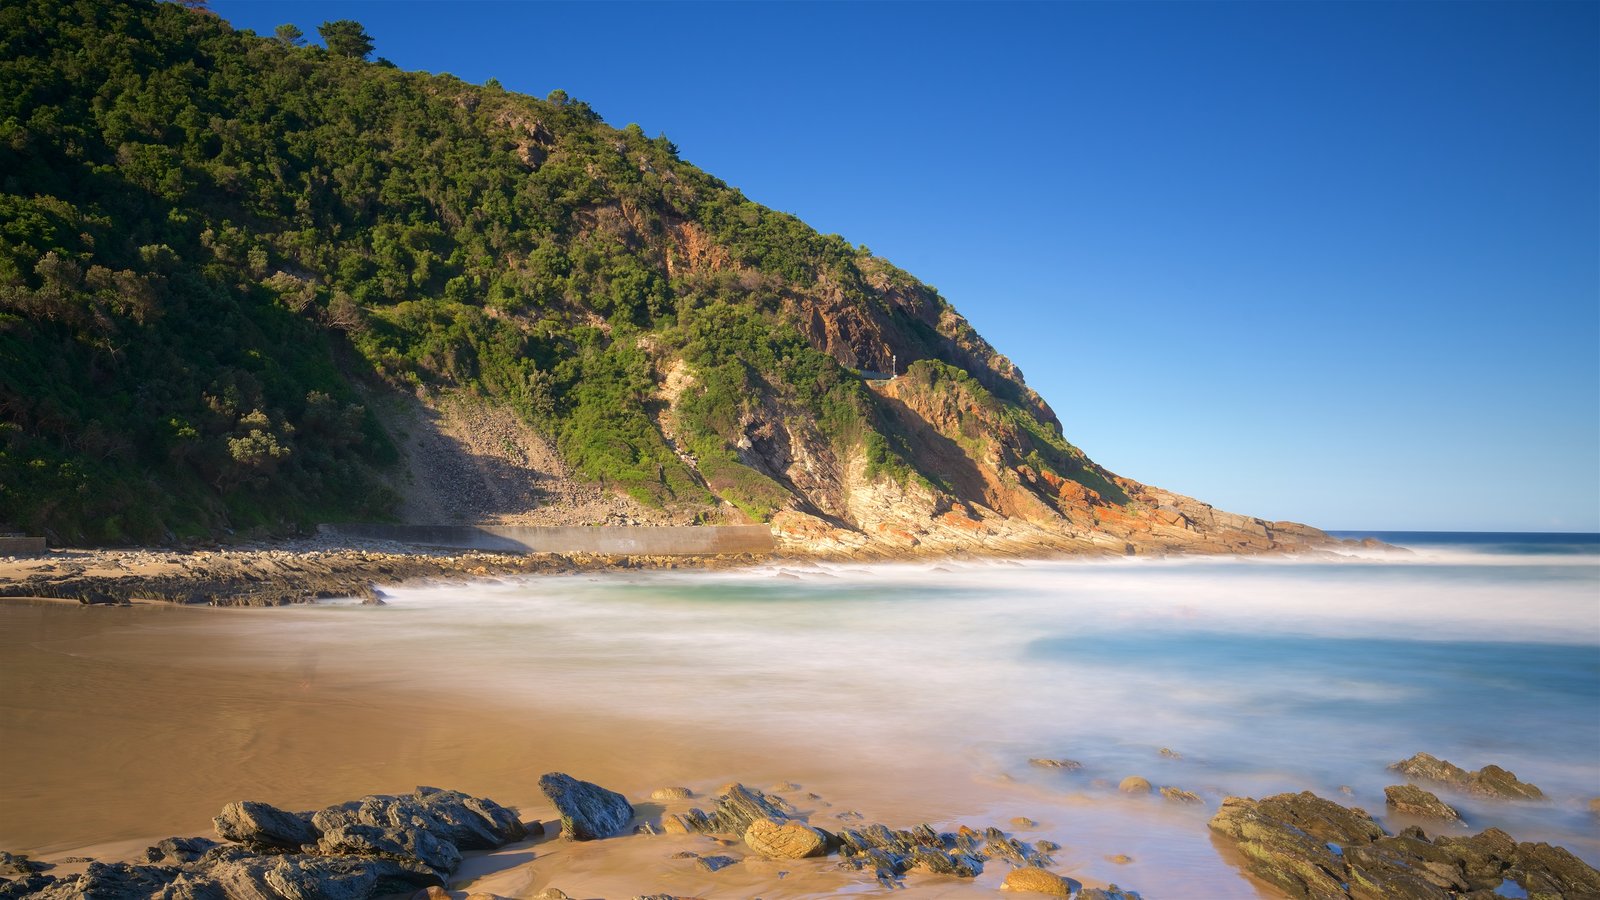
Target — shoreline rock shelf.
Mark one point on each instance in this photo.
(1309, 847)
(372, 847)
(411, 845)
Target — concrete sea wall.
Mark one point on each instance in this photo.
(644, 540)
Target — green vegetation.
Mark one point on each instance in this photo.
(212, 243)
(979, 414)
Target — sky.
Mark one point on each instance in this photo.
(1337, 263)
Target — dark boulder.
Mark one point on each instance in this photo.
(588, 811)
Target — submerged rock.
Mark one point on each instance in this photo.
(1134, 784)
(714, 863)
(588, 811)
(1070, 765)
(1111, 892)
(671, 793)
(1410, 800)
(1311, 847)
(1179, 795)
(1489, 781)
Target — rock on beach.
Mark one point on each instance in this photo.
(1035, 880)
(262, 825)
(588, 811)
(785, 840)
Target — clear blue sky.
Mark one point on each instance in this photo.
(1338, 263)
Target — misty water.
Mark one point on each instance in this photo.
(910, 692)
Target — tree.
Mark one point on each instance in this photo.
(289, 35)
(346, 37)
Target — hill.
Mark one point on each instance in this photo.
(248, 285)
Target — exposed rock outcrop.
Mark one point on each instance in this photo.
(262, 826)
(1489, 781)
(368, 848)
(1410, 800)
(1314, 848)
(774, 830)
(736, 809)
(468, 823)
(15, 864)
(988, 479)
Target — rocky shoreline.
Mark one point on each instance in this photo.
(414, 846)
(287, 573)
(304, 571)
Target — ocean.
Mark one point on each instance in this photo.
(908, 692)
